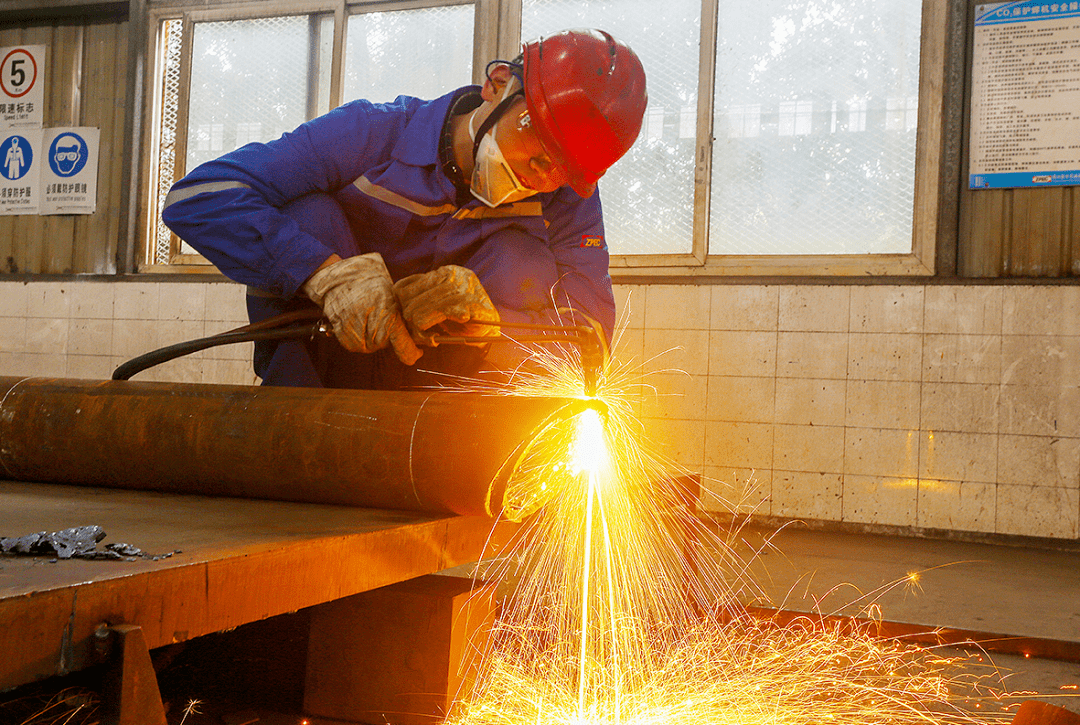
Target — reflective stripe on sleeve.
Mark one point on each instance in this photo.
(187, 192)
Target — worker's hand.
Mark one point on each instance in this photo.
(357, 296)
(451, 297)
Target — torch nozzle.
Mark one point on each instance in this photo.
(589, 339)
(593, 356)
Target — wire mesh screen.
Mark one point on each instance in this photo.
(171, 37)
(250, 81)
(815, 121)
(424, 53)
(648, 195)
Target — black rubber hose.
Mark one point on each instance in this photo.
(156, 357)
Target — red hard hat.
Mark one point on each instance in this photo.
(586, 97)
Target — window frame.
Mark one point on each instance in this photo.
(497, 34)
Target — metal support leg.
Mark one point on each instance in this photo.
(130, 689)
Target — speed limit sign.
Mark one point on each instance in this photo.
(22, 77)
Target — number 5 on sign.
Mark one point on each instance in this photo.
(22, 80)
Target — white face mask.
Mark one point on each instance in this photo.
(493, 181)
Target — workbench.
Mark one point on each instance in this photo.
(237, 561)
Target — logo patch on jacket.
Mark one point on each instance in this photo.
(592, 240)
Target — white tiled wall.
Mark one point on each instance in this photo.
(952, 407)
(86, 329)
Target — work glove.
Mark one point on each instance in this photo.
(451, 297)
(357, 296)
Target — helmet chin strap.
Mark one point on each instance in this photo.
(493, 118)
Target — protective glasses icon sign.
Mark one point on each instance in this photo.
(67, 154)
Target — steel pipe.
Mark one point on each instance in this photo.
(438, 452)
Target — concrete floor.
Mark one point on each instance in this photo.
(994, 591)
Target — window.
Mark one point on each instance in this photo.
(780, 137)
(424, 52)
(236, 93)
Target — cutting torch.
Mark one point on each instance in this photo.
(588, 338)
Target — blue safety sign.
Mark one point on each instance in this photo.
(67, 154)
(16, 157)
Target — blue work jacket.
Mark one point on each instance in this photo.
(380, 162)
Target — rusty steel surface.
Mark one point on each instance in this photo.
(239, 561)
(442, 452)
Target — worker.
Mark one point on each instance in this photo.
(411, 218)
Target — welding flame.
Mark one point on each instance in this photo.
(589, 450)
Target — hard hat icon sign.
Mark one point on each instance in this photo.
(67, 154)
(16, 157)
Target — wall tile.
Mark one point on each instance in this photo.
(683, 307)
(1040, 360)
(809, 448)
(13, 363)
(225, 301)
(881, 453)
(821, 355)
(681, 441)
(965, 407)
(229, 372)
(171, 332)
(90, 367)
(737, 490)
(809, 401)
(883, 308)
(965, 310)
(90, 337)
(1039, 461)
(46, 365)
(813, 308)
(182, 301)
(47, 336)
(744, 307)
(242, 351)
(181, 370)
(740, 354)
(738, 445)
(880, 500)
(1039, 410)
(628, 350)
(13, 299)
(1041, 310)
(92, 300)
(48, 300)
(674, 396)
(1038, 511)
(677, 350)
(884, 356)
(962, 358)
(132, 338)
(883, 404)
(957, 506)
(13, 334)
(136, 301)
(739, 399)
(952, 456)
(797, 494)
